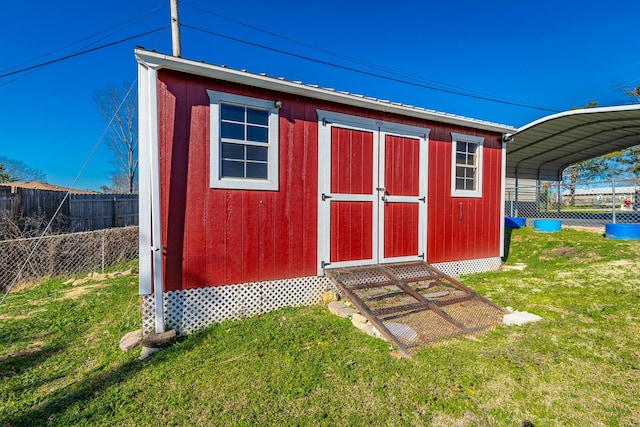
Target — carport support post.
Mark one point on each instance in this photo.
(613, 201)
(517, 185)
(559, 195)
(538, 197)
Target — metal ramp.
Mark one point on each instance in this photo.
(413, 304)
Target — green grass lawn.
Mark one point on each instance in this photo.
(580, 366)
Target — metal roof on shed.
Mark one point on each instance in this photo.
(544, 148)
(163, 61)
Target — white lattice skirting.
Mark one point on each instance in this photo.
(461, 268)
(192, 309)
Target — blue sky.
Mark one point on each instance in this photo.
(546, 54)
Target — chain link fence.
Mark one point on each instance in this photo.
(63, 255)
(588, 204)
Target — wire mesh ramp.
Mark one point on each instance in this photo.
(413, 304)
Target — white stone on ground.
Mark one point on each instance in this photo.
(520, 318)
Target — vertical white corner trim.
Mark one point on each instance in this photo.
(156, 221)
(144, 183)
(503, 178)
(151, 279)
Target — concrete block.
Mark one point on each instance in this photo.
(359, 318)
(147, 352)
(520, 318)
(347, 312)
(161, 339)
(335, 307)
(131, 340)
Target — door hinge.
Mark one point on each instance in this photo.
(323, 264)
(421, 256)
(325, 122)
(326, 196)
(423, 199)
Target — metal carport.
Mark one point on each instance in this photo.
(542, 149)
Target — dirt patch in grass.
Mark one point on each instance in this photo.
(598, 230)
(82, 290)
(17, 317)
(24, 285)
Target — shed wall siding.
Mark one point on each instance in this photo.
(219, 237)
(461, 228)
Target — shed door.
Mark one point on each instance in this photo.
(402, 199)
(372, 185)
(352, 196)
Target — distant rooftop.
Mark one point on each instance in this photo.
(36, 185)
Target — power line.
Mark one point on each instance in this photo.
(111, 30)
(368, 73)
(83, 52)
(345, 57)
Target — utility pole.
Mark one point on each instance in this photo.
(175, 29)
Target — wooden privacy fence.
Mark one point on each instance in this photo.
(79, 212)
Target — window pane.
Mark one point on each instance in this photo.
(461, 147)
(460, 172)
(232, 130)
(257, 117)
(232, 112)
(460, 184)
(461, 158)
(257, 134)
(257, 153)
(232, 151)
(231, 168)
(257, 170)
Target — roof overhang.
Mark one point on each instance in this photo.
(162, 61)
(544, 148)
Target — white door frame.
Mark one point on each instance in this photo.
(379, 128)
(422, 135)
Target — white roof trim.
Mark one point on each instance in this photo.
(163, 61)
(596, 110)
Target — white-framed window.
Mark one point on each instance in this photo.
(466, 168)
(244, 142)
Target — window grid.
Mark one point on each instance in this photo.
(244, 142)
(466, 165)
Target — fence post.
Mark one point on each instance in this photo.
(510, 203)
(115, 212)
(103, 250)
(613, 201)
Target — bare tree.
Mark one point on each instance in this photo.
(17, 170)
(119, 106)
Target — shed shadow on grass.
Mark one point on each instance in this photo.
(55, 408)
(507, 243)
(25, 360)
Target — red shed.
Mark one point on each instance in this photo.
(251, 186)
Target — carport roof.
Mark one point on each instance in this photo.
(544, 148)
